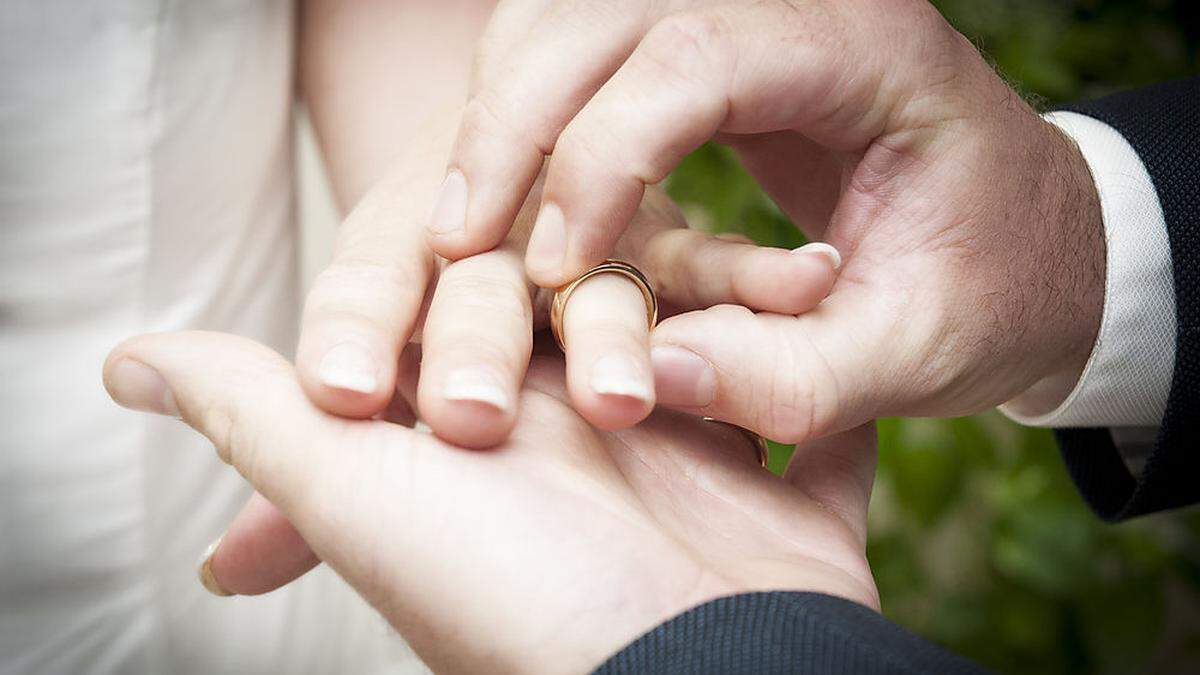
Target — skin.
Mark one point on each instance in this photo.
(475, 318)
(970, 228)
(560, 545)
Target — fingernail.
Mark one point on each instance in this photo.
(207, 580)
(822, 249)
(450, 212)
(475, 384)
(136, 385)
(548, 242)
(682, 377)
(619, 375)
(349, 366)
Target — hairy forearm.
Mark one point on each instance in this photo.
(1073, 268)
(384, 84)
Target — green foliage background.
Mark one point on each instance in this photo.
(978, 539)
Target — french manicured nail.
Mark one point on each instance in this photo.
(450, 211)
(682, 377)
(207, 579)
(349, 366)
(820, 248)
(475, 384)
(619, 375)
(136, 385)
(548, 243)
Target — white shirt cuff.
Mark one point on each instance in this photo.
(1128, 376)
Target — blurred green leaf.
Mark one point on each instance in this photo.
(927, 481)
(1041, 547)
(1121, 625)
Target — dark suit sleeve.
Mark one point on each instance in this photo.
(783, 632)
(1162, 124)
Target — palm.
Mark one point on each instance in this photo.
(565, 542)
(953, 298)
(572, 537)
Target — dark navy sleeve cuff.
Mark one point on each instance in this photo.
(783, 632)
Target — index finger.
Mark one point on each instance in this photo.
(532, 80)
(693, 75)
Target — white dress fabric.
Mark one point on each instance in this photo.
(145, 185)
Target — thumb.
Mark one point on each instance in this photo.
(246, 399)
(261, 550)
(789, 378)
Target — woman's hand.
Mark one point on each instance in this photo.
(547, 552)
(477, 321)
(475, 318)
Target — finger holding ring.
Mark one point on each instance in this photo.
(602, 320)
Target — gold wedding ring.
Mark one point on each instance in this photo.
(760, 443)
(558, 305)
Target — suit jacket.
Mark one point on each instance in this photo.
(1161, 124)
(786, 632)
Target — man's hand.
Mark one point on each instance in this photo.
(384, 84)
(970, 228)
(548, 552)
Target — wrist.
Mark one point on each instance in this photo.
(1073, 288)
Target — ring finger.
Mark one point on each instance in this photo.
(607, 337)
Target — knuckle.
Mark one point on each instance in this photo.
(484, 350)
(719, 262)
(219, 426)
(691, 52)
(676, 273)
(596, 146)
(366, 287)
(232, 426)
(250, 440)
(241, 435)
(488, 115)
(683, 43)
(788, 414)
(478, 120)
(681, 56)
(687, 51)
(478, 295)
(487, 294)
(791, 389)
(818, 384)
